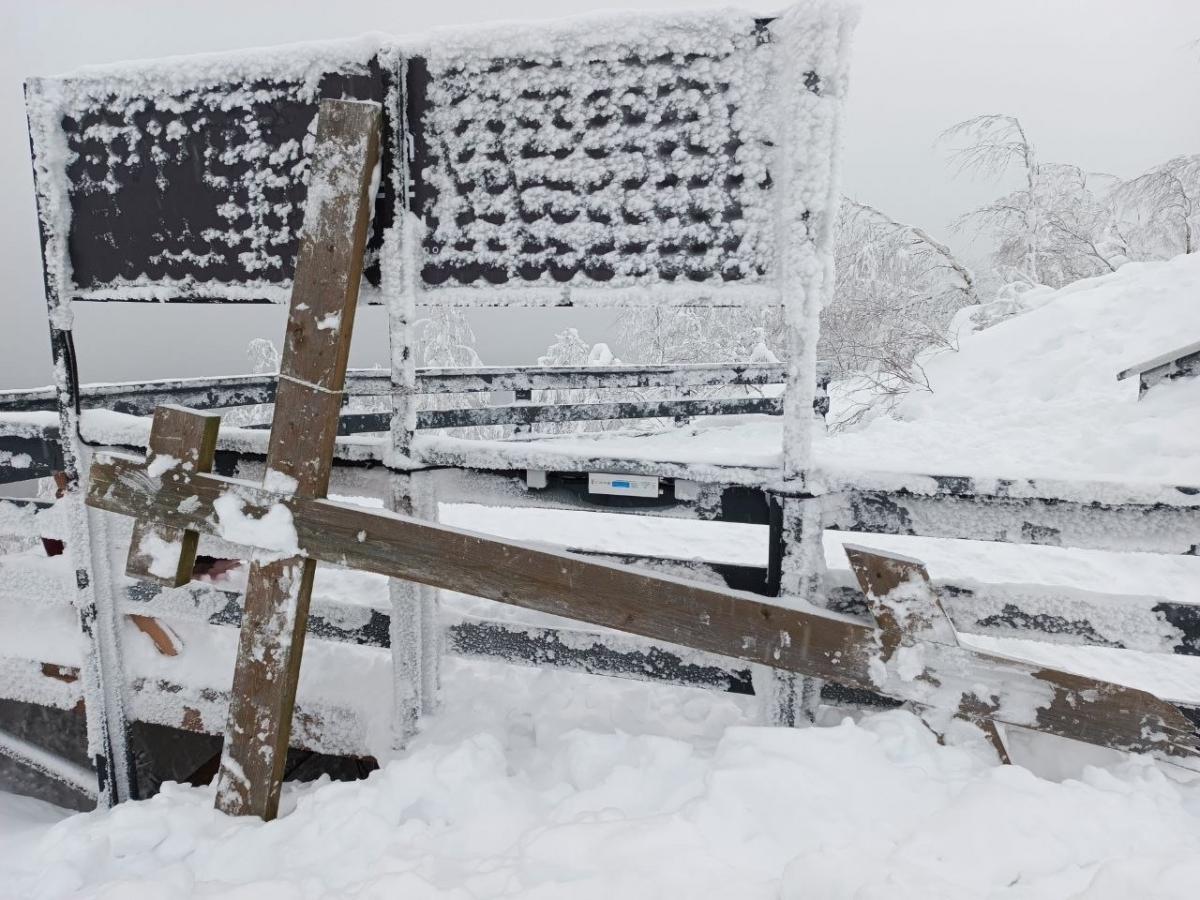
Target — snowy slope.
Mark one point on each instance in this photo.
(1037, 396)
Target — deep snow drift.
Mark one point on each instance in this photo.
(555, 785)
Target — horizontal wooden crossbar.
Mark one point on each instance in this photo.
(725, 622)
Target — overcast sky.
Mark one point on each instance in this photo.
(1111, 85)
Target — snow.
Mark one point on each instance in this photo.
(273, 531)
(1033, 399)
(553, 785)
(1037, 396)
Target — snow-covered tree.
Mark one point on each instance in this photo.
(1157, 214)
(263, 355)
(896, 290)
(264, 360)
(697, 334)
(1055, 228)
(569, 349)
(444, 339)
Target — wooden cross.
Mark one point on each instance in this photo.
(911, 654)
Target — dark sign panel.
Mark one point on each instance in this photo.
(636, 159)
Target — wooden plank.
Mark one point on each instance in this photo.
(181, 440)
(300, 453)
(729, 623)
(909, 613)
(901, 599)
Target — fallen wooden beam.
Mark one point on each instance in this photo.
(729, 623)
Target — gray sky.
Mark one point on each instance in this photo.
(1110, 85)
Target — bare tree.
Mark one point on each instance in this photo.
(994, 144)
(1158, 213)
(1057, 227)
(897, 289)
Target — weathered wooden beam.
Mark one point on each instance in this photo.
(719, 621)
(1050, 614)
(312, 374)
(910, 616)
(181, 440)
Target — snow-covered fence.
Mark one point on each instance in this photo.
(654, 160)
(141, 398)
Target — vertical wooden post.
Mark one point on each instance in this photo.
(181, 441)
(299, 456)
(102, 673)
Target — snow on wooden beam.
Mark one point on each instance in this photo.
(522, 414)
(526, 378)
(141, 398)
(596, 654)
(180, 440)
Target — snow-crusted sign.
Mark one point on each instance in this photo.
(184, 179)
(665, 158)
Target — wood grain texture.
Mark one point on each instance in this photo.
(300, 452)
(189, 439)
(729, 623)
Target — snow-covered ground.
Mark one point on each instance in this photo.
(551, 785)
(548, 784)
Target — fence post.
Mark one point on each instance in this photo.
(414, 631)
(101, 675)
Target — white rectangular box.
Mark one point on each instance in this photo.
(623, 485)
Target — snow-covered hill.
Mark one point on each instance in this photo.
(1037, 396)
